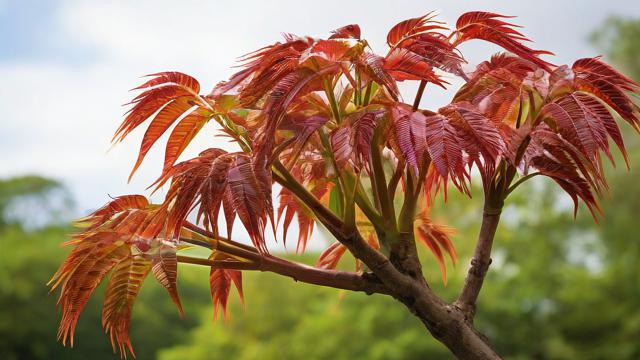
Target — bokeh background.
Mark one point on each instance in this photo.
(559, 288)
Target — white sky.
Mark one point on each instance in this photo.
(66, 66)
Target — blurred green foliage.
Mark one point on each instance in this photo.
(559, 288)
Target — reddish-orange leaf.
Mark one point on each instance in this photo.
(488, 26)
(436, 238)
(165, 269)
(172, 77)
(351, 31)
(150, 102)
(403, 64)
(182, 135)
(412, 27)
(220, 282)
(331, 256)
(161, 122)
(122, 290)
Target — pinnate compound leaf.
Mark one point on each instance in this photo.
(436, 238)
(412, 27)
(122, 289)
(220, 283)
(127, 227)
(164, 266)
(351, 31)
(331, 256)
(182, 135)
(488, 26)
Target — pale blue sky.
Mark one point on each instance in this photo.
(66, 66)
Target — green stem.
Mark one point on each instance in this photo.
(328, 89)
(356, 95)
(520, 181)
(379, 181)
(367, 94)
(407, 213)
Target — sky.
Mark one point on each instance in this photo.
(66, 67)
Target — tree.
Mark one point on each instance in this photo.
(23, 188)
(323, 119)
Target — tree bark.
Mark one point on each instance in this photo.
(401, 276)
(481, 258)
(450, 325)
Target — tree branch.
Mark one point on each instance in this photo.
(481, 258)
(376, 261)
(298, 272)
(416, 102)
(447, 323)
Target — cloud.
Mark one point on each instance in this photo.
(59, 109)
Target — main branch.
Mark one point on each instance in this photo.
(481, 260)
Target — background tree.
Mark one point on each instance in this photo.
(323, 119)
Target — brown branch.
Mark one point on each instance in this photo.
(375, 260)
(223, 244)
(209, 234)
(447, 323)
(298, 272)
(416, 102)
(223, 264)
(482, 256)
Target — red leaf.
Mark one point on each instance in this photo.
(372, 66)
(182, 135)
(413, 27)
(408, 135)
(162, 121)
(165, 269)
(436, 50)
(145, 106)
(331, 256)
(488, 26)
(352, 141)
(247, 199)
(436, 238)
(220, 282)
(351, 31)
(445, 150)
(403, 64)
(122, 289)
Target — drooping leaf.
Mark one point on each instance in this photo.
(352, 142)
(610, 86)
(164, 266)
(436, 238)
(445, 150)
(331, 256)
(121, 292)
(408, 135)
(247, 199)
(198, 181)
(127, 225)
(478, 135)
(403, 64)
(220, 283)
(87, 264)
